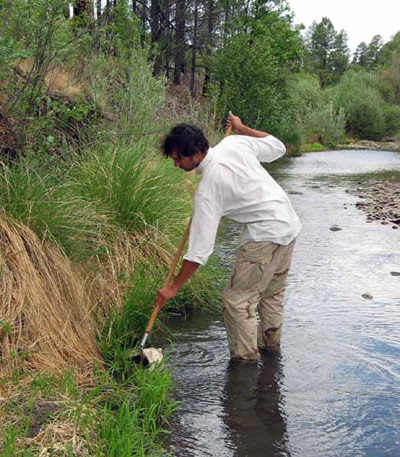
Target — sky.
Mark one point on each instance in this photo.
(361, 19)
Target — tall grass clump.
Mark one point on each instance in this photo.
(136, 192)
(45, 314)
(43, 200)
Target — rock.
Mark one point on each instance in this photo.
(295, 192)
(395, 227)
(367, 296)
(335, 228)
(395, 273)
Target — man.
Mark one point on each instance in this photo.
(234, 184)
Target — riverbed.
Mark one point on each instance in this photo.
(334, 388)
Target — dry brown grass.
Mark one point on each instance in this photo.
(58, 80)
(52, 311)
(44, 306)
(51, 421)
(108, 279)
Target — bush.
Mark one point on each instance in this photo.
(305, 94)
(125, 90)
(359, 96)
(323, 123)
(392, 119)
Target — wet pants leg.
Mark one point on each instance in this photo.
(257, 283)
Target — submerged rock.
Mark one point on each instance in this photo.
(367, 296)
(335, 228)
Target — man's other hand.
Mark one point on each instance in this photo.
(234, 122)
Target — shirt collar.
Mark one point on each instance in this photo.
(203, 164)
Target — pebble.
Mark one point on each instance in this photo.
(380, 201)
(335, 228)
(367, 296)
(395, 273)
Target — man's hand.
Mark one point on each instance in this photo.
(164, 294)
(240, 129)
(234, 122)
(186, 272)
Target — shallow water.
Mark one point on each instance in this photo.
(334, 389)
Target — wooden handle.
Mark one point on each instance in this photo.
(171, 272)
(178, 254)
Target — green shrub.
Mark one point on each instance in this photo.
(392, 119)
(324, 123)
(253, 72)
(126, 92)
(360, 98)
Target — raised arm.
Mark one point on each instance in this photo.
(240, 129)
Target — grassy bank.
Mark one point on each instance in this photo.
(89, 224)
(58, 416)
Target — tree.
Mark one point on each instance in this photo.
(367, 56)
(252, 69)
(328, 50)
(179, 40)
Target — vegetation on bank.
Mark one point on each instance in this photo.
(90, 212)
(91, 217)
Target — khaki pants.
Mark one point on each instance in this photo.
(257, 283)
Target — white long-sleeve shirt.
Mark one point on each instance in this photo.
(234, 184)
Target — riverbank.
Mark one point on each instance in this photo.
(392, 145)
(380, 201)
(362, 145)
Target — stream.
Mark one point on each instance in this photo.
(334, 388)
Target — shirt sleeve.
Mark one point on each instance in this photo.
(205, 220)
(267, 149)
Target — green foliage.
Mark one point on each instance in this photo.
(108, 418)
(125, 328)
(328, 52)
(391, 115)
(388, 49)
(125, 90)
(324, 123)
(253, 69)
(134, 193)
(359, 96)
(316, 118)
(118, 31)
(368, 56)
(34, 195)
(314, 147)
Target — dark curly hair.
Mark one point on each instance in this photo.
(186, 140)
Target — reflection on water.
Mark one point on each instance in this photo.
(335, 388)
(253, 408)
